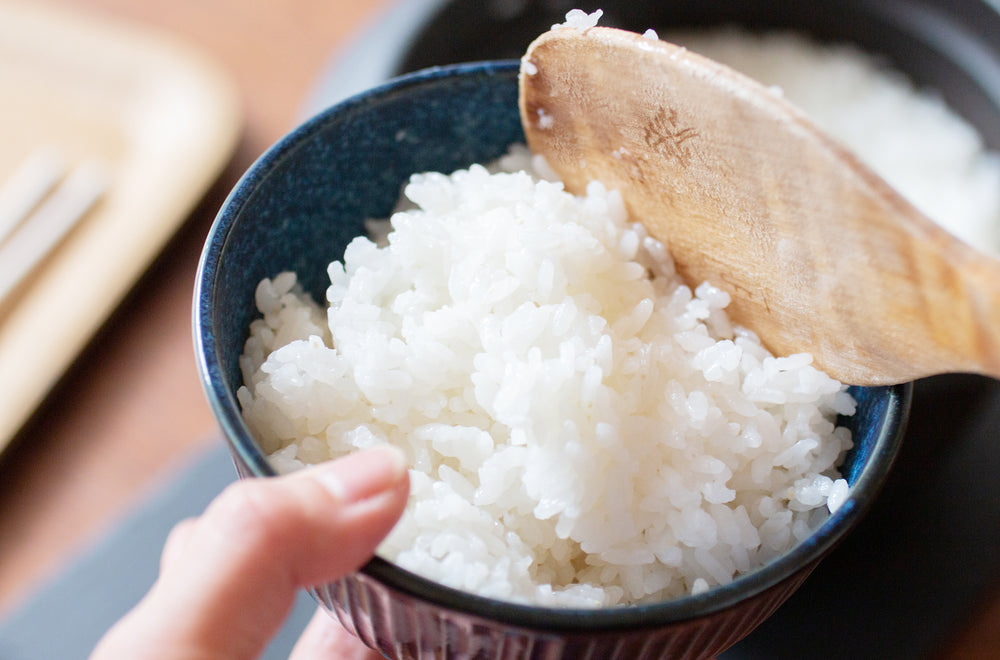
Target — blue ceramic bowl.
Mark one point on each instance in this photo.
(296, 209)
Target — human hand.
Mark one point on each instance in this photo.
(228, 578)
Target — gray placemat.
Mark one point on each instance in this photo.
(65, 618)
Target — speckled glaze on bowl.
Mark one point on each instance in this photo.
(296, 209)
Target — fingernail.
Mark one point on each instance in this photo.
(363, 474)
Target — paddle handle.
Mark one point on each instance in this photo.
(963, 311)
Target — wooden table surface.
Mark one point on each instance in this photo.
(130, 410)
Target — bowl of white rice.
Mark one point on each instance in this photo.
(602, 465)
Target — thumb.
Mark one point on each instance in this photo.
(229, 577)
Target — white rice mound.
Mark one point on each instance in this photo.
(582, 428)
(908, 136)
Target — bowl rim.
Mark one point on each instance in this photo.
(608, 619)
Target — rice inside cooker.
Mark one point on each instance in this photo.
(908, 136)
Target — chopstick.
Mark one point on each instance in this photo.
(27, 186)
(34, 218)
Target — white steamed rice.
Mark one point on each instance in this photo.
(583, 428)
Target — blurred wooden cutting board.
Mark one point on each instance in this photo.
(163, 117)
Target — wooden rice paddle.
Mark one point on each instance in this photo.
(818, 254)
